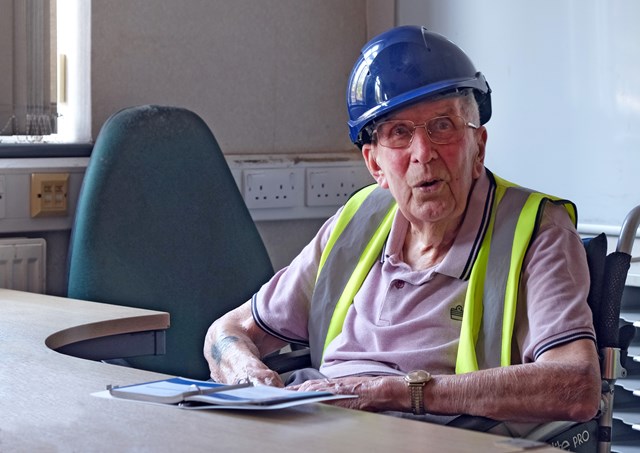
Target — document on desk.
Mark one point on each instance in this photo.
(194, 394)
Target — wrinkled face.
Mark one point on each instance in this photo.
(430, 182)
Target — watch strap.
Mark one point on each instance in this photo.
(417, 398)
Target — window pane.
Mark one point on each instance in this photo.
(28, 99)
(6, 65)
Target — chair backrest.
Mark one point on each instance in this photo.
(161, 224)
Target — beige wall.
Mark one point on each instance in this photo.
(268, 76)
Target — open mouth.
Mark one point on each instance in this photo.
(431, 183)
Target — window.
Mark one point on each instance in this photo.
(44, 71)
(28, 96)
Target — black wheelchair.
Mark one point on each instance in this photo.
(608, 280)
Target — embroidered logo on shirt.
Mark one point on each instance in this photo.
(456, 313)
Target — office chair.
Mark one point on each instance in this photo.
(160, 224)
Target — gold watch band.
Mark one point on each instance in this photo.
(417, 398)
(416, 381)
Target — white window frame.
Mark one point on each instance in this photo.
(74, 47)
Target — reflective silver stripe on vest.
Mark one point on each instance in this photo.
(340, 264)
(488, 345)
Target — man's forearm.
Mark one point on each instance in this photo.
(219, 347)
(233, 352)
(231, 357)
(563, 385)
(536, 392)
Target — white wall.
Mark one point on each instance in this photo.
(566, 96)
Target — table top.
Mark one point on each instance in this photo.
(47, 402)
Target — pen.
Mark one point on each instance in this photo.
(221, 388)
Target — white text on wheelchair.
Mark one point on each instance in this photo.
(578, 439)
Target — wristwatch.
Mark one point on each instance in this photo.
(416, 380)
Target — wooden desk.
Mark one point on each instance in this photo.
(46, 402)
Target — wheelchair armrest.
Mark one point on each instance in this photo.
(288, 361)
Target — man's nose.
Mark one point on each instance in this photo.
(422, 149)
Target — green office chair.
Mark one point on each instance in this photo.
(160, 224)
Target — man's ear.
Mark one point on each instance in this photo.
(481, 143)
(371, 161)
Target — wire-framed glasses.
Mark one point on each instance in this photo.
(441, 130)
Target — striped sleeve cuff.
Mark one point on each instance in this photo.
(260, 322)
(559, 341)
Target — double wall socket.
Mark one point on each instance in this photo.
(270, 188)
(309, 186)
(332, 186)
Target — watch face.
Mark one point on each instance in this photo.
(418, 376)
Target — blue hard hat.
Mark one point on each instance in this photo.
(403, 66)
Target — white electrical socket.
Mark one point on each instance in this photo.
(269, 188)
(332, 186)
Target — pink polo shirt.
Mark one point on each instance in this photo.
(402, 319)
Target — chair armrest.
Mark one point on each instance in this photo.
(288, 361)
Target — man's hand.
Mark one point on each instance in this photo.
(375, 394)
(232, 365)
(233, 347)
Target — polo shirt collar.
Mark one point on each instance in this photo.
(460, 258)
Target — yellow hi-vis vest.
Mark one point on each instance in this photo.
(489, 312)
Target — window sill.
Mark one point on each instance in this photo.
(31, 150)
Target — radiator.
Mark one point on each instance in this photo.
(23, 264)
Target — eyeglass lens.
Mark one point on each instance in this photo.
(441, 130)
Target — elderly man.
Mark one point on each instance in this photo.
(443, 289)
